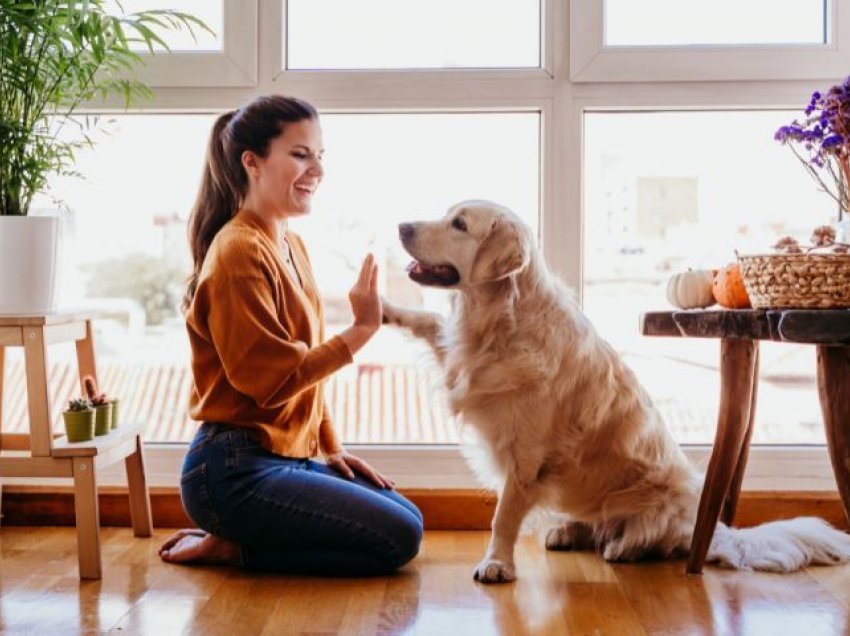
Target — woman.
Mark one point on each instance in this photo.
(258, 362)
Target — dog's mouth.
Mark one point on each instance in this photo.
(438, 275)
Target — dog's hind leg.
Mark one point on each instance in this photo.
(514, 503)
(572, 535)
(422, 324)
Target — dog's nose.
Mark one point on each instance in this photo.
(405, 231)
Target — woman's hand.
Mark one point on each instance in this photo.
(363, 297)
(347, 465)
(365, 305)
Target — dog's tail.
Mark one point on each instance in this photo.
(779, 546)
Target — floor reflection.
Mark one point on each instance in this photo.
(556, 593)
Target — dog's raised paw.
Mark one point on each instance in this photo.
(494, 571)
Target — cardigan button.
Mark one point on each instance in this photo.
(313, 445)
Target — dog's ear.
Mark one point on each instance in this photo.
(502, 253)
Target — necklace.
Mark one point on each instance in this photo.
(286, 252)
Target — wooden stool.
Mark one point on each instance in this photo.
(739, 331)
(40, 455)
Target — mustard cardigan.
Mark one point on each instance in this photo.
(258, 356)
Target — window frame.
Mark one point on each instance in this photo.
(592, 61)
(573, 79)
(234, 65)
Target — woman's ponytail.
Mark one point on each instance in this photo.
(216, 202)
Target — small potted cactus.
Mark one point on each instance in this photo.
(79, 420)
(102, 406)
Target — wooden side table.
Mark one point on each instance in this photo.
(739, 332)
(39, 454)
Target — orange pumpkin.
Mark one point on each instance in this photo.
(728, 288)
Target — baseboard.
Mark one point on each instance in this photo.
(442, 509)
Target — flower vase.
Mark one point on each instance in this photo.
(842, 230)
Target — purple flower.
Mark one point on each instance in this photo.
(824, 136)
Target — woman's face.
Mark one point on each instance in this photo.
(285, 180)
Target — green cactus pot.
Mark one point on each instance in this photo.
(115, 419)
(79, 425)
(102, 419)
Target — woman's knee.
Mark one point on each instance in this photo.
(406, 531)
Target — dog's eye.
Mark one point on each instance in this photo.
(459, 224)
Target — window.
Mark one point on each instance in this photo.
(227, 57)
(673, 190)
(128, 253)
(211, 13)
(384, 34)
(587, 128)
(715, 22)
(665, 40)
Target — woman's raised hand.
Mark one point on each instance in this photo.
(365, 305)
(364, 299)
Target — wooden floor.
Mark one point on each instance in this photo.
(557, 593)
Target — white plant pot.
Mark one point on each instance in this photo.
(29, 255)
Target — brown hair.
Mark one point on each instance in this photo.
(224, 182)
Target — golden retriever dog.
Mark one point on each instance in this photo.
(564, 423)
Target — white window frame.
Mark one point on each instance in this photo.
(561, 99)
(592, 61)
(234, 65)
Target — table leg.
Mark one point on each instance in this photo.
(834, 393)
(140, 503)
(88, 518)
(2, 371)
(727, 515)
(737, 363)
(38, 391)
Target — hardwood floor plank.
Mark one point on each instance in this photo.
(556, 593)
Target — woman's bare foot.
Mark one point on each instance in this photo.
(197, 546)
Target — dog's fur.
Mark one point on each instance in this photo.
(564, 422)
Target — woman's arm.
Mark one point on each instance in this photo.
(259, 356)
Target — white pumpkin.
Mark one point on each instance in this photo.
(691, 289)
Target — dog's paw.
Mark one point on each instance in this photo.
(559, 538)
(573, 535)
(494, 571)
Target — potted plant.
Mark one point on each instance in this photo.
(102, 406)
(79, 420)
(56, 55)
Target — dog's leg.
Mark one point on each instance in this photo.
(422, 324)
(572, 535)
(514, 503)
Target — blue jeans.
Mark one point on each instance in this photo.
(294, 515)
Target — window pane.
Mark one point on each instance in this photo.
(211, 12)
(670, 191)
(126, 252)
(674, 22)
(371, 34)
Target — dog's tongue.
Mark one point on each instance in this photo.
(441, 275)
(415, 267)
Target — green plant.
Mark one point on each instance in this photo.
(155, 283)
(54, 56)
(79, 405)
(96, 398)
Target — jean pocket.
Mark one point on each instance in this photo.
(196, 499)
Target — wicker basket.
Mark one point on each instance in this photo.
(809, 281)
